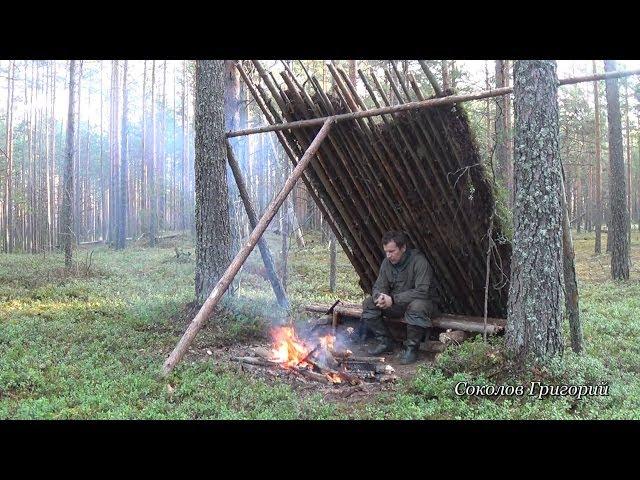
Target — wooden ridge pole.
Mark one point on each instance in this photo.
(267, 258)
(228, 276)
(432, 102)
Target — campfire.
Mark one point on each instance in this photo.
(320, 358)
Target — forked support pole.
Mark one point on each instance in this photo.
(228, 276)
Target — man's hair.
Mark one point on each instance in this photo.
(400, 238)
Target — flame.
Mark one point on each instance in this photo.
(288, 349)
(334, 377)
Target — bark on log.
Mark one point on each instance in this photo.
(456, 337)
(467, 323)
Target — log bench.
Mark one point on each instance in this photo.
(444, 321)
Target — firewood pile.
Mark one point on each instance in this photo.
(318, 360)
(416, 171)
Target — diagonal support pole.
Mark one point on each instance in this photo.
(228, 276)
(267, 259)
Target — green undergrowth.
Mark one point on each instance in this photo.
(89, 343)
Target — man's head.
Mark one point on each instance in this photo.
(394, 244)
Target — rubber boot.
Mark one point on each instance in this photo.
(385, 342)
(412, 344)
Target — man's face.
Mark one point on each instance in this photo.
(394, 254)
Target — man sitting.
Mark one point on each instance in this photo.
(404, 287)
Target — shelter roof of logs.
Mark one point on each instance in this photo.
(418, 171)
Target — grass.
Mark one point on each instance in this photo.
(89, 345)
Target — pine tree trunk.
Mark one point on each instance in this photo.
(103, 188)
(571, 284)
(122, 216)
(114, 150)
(153, 197)
(537, 283)
(618, 230)
(446, 78)
(508, 134)
(213, 235)
(66, 232)
(8, 186)
(162, 200)
(185, 172)
(144, 204)
(628, 135)
(489, 149)
(500, 127)
(51, 156)
(76, 166)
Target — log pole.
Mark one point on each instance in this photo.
(228, 276)
(432, 102)
(267, 258)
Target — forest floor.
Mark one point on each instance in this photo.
(90, 344)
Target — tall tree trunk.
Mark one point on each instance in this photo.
(502, 151)
(570, 282)
(103, 188)
(153, 195)
(66, 232)
(537, 283)
(51, 156)
(628, 135)
(489, 150)
(122, 216)
(213, 235)
(508, 132)
(162, 200)
(114, 151)
(8, 186)
(618, 230)
(174, 186)
(76, 166)
(446, 78)
(144, 204)
(185, 173)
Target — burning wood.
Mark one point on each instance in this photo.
(321, 360)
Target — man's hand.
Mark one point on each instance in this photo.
(384, 301)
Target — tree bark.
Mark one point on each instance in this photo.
(571, 284)
(153, 197)
(446, 78)
(628, 135)
(536, 291)
(66, 232)
(8, 186)
(122, 217)
(502, 151)
(213, 235)
(618, 230)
